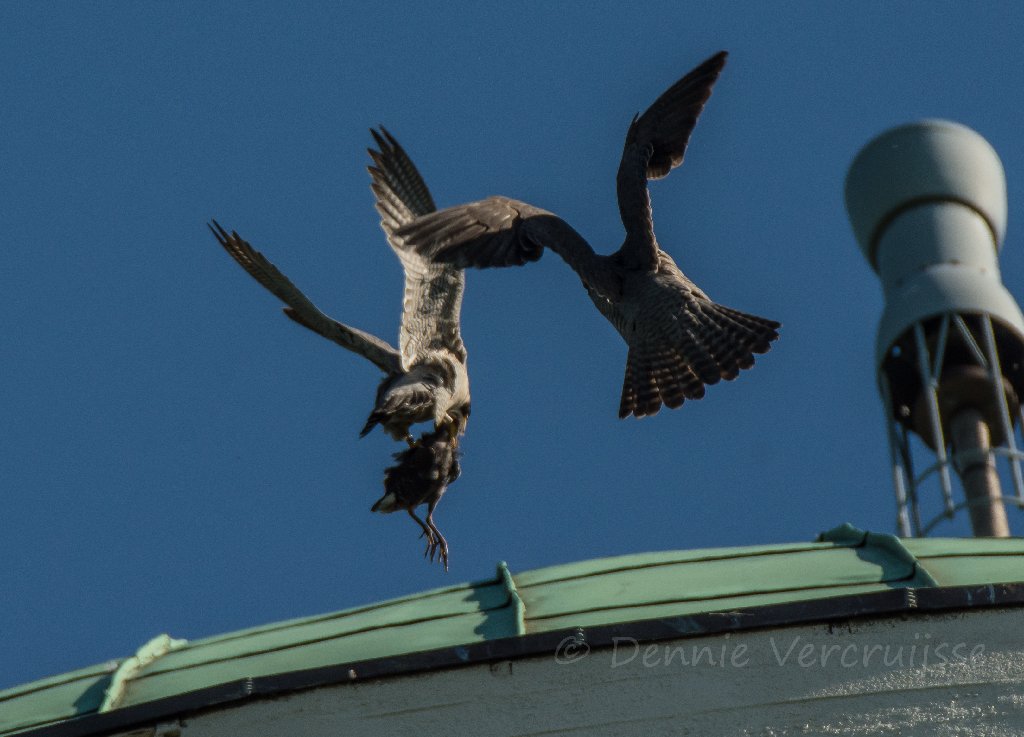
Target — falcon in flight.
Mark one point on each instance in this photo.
(678, 338)
(426, 378)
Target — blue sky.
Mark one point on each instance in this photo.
(178, 457)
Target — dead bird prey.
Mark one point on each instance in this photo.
(678, 338)
(421, 476)
(426, 378)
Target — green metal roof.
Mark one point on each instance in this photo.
(590, 593)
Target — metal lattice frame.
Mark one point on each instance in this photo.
(929, 367)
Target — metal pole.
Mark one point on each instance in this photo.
(995, 371)
(976, 465)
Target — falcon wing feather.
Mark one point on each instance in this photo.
(655, 144)
(433, 291)
(499, 231)
(300, 309)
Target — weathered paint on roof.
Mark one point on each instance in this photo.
(595, 592)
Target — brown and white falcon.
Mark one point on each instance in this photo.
(678, 338)
(426, 378)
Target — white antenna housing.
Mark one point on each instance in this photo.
(927, 202)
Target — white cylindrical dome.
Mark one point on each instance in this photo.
(918, 163)
(927, 202)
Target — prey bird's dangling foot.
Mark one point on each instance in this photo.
(679, 339)
(439, 546)
(435, 543)
(426, 530)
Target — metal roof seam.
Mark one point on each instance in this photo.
(56, 681)
(679, 562)
(895, 546)
(301, 643)
(992, 554)
(518, 606)
(318, 619)
(847, 533)
(665, 602)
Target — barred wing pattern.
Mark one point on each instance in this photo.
(300, 309)
(433, 291)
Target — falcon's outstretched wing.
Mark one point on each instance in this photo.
(500, 231)
(433, 291)
(655, 144)
(300, 309)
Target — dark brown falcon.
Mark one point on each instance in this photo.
(421, 476)
(678, 338)
(425, 378)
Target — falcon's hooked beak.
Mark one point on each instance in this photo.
(456, 427)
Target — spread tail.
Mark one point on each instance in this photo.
(718, 344)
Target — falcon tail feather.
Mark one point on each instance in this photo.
(657, 375)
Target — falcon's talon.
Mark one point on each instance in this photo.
(438, 549)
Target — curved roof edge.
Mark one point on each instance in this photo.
(847, 573)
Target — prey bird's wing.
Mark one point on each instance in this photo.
(433, 291)
(499, 231)
(300, 309)
(655, 144)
